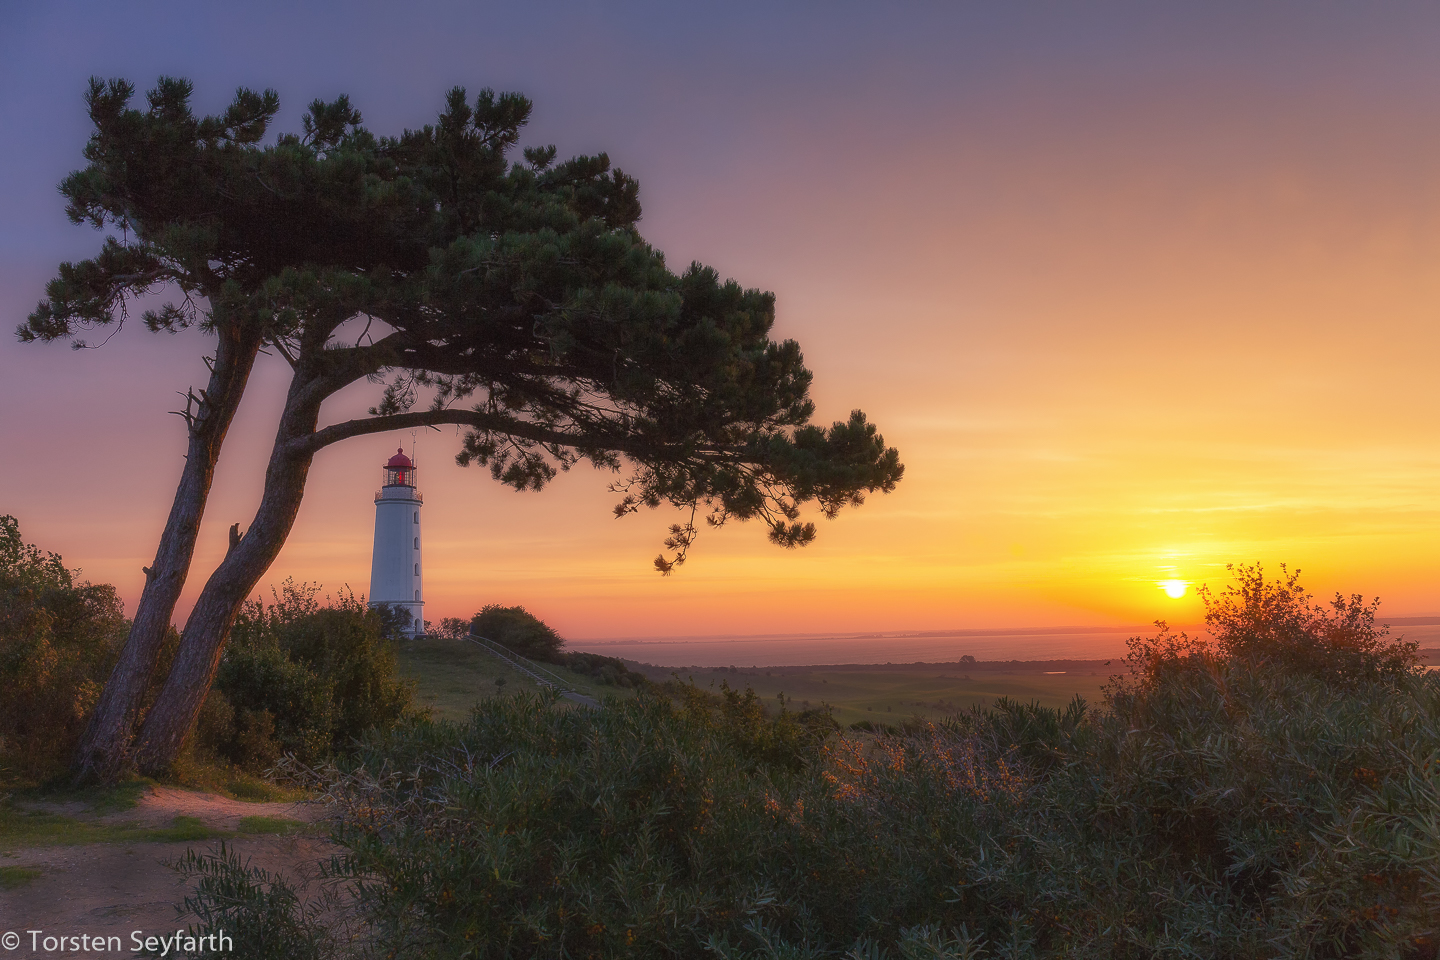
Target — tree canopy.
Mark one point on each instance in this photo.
(512, 297)
(517, 296)
(518, 629)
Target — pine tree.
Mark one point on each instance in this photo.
(515, 299)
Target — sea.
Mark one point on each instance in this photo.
(934, 646)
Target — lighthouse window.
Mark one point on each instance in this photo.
(417, 594)
(417, 569)
(417, 543)
(417, 516)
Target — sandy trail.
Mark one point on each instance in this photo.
(113, 889)
(161, 805)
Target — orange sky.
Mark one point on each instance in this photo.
(1125, 322)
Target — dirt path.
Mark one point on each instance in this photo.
(118, 887)
(161, 805)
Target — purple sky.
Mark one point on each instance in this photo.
(1137, 288)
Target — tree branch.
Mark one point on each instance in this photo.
(279, 346)
(477, 419)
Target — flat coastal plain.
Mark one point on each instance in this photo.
(452, 676)
(891, 692)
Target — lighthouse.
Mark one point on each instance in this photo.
(395, 565)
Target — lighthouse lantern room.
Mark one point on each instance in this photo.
(395, 567)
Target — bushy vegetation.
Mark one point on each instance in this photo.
(297, 677)
(611, 671)
(260, 911)
(1276, 627)
(59, 637)
(1269, 792)
(453, 628)
(303, 678)
(519, 630)
(526, 634)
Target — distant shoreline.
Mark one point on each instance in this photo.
(861, 647)
(1428, 655)
(956, 666)
(1133, 629)
(878, 635)
(1008, 645)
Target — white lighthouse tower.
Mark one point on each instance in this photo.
(395, 565)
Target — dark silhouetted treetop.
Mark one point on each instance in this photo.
(516, 299)
(204, 209)
(200, 203)
(520, 630)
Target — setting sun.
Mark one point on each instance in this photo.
(1174, 589)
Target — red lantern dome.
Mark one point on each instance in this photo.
(399, 470)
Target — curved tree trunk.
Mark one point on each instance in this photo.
(169, 721)
(104, 747)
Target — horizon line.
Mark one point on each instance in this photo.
(1419, 621)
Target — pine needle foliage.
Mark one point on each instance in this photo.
(514, 293)
(512, 297)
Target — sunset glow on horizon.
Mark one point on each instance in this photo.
(1137, 295)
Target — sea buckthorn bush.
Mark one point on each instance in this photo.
(610, 671)
(1237, 796)
(59, 638)
(648, 828)
(303, 678)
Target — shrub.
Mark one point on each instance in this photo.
(647, 828)
(1226, 804)
(302, 678)
(453, 628)
(59, 638)
(607, 670)
(1275, 626)
(259, 911)
(520, 630)
(526, 634)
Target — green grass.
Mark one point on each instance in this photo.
(251, 789)
(197, 773)
(889, 694)
(272, 825)
(33, 829)
(185, 828)
(36, 829)
(189, 773)
(451, 676)
(12, 877)
(97, 799)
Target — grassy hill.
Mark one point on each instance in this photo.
(888, 693)
(451, 676)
